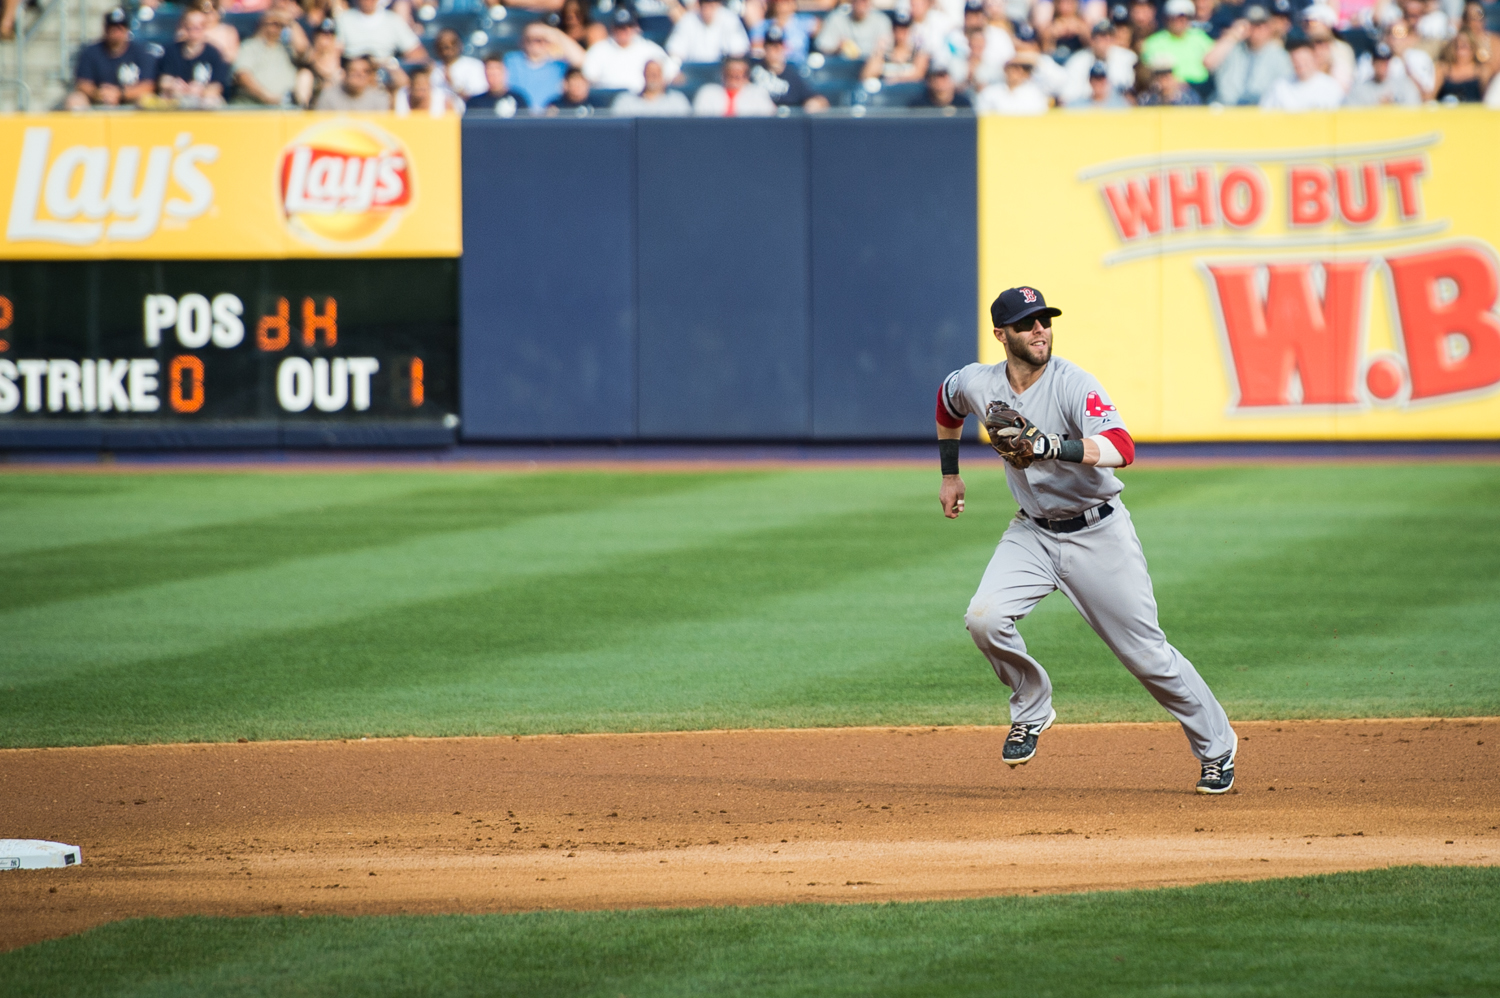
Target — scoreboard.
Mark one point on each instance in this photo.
(293, 351)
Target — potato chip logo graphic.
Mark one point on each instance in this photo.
(345, 185)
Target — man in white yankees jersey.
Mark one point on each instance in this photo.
(1071, 533)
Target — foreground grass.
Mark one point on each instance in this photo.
(1409, 931)
(154, 607)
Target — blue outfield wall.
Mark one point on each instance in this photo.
(680, 279)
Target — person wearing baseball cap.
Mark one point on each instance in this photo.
(1104, 47)
(1102, 94)
(1335, 56)
(1248, 59)
(114, 70)
(1384, 87)
(1180, 45)
(1311, 89)
(618, 62)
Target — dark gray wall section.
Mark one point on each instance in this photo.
(895, 262)
(547, 286)
(784, 279)
(723, 270)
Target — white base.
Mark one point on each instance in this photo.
(37, 854)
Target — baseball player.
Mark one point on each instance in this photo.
(1059, 434)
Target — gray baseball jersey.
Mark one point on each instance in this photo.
(1066, 400)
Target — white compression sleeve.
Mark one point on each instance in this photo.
(1109, 454)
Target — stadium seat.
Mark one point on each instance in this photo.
(603, 99)
(892, 95)
(696, 74)
(1492, 17)
(512, 24)
(656, 28)
(159, 25)
(834, 74)
(245, 24)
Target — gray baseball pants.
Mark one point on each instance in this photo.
(1102, 570)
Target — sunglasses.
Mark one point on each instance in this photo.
(1026, 325)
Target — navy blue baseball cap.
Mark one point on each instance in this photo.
(1015, 304)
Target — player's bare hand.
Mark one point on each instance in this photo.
(951, 495)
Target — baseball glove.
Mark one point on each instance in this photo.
(1015, 438)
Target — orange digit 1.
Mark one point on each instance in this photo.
(185, 383)
(7, 314)
(418, 392)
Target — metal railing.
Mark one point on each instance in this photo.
(26, 35)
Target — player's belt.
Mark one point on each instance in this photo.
(1088, 518)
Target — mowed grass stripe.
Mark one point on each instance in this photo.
(816, 598)
(199, 614)
(346, 519)
(1397, 932)
(46, 512)
(596, 649)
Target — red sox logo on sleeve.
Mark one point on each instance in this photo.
(1096, 406)
(1029, 295)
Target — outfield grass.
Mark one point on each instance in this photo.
(1409, 931)
(153, 607)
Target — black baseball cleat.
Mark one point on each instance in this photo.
(1020, 744)
(1218, 775)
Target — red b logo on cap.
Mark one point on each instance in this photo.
(1029, 295)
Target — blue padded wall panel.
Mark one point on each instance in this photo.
(895, 270)
(723, 279)
(547, 297)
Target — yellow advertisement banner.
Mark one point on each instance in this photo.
(1239, 275)
(229, 186)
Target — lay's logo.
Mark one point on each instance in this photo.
(345, 185)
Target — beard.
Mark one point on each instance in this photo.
(1022, 350)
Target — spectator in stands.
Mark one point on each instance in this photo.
(934, 33)
(1066, 33)
(900, 61)
(1164, 88)
(1049, 77)
(1248, 59)
(1118, 60)
(422, 96)
(1180, 45)
(707, 33)
(1460, 78)
(1492, 94)
(537, 70)
(221, 36)
(574, 20)
(264, 73)
(776, 77)
(979, 71)
(1143, 23)
(114, 70)
(1334, 55)
(1412, 60)
(854, 31)
(381, 34)
(1211, 17)
(797, 30)
(736, 97)
(999, 44)
(1310, 90)
(192, 71)
(941, 93)
(322, 65)
(1488, 42)
(574, 99)
(8, 19)
(459, 74)
(1384, 87)
(360, 90)
(499, 99)
(619, 61)
(1018, 95)
(1102, 93)
(655, 100)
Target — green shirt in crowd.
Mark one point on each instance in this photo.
(1186, 53)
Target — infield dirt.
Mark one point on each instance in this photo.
(724, 817)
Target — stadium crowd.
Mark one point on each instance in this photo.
(764, 57)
